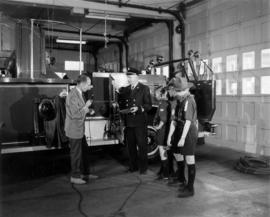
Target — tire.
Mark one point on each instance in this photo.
(152, 147)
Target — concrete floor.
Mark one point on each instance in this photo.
(220, 192)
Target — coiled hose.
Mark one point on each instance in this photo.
(253, 165)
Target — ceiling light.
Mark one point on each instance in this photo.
(69, 41)
(103, 17)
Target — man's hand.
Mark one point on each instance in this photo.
(86, 109)
(157, 127)
(134, 109)
(181, 142)
(88, 103)
(91, 111)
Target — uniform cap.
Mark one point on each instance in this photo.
(132, 71)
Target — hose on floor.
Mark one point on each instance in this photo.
(253, 165)
(119, 210)
(80, 201)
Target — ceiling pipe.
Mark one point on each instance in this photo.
(170, 34)
(84, 33)
(96, 6)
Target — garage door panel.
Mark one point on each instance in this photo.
(231, 133)
(231, 110)
(248, 112)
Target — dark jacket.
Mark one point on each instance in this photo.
(139, 97)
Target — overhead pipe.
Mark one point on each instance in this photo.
(182, 11)
(120, 47)
(170, 31)
(80, 63)
(32, 50)
(128, 5)
(84, 33)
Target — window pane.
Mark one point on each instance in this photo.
(231, 63)
(248, 85)
(158, 71)
(73, 66)
(265, 87)
(231, 87)
(218, 87)
(217, 64)
(265, 61)
(203, 67)
(165, 71)
(248, 60)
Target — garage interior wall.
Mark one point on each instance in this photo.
(108, 58)
(148, 43)
(68, 55)
(234, 36)
(143, 46)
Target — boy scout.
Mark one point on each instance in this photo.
(160, 124)
(183, 134)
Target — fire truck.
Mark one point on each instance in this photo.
(33, 111)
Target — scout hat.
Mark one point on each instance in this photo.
(179, 83)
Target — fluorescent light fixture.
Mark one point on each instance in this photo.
(103, 17)
(69, 41)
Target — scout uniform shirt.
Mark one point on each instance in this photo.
(186, 110)
(162, 115)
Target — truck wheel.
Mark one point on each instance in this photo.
(152, 147)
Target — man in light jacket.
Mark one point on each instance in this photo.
(76, 110)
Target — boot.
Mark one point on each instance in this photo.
(170, 163)
(188, 191)
(159, 173)
(165, 169)
(181, 175)
(180, 178)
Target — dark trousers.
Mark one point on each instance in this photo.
(136, 138)
(79, 157)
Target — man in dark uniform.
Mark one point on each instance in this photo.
(137, 102)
